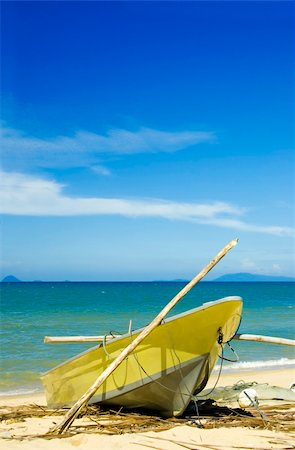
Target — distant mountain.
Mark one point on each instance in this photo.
(180, 280)
(10, 279)
(251, 277)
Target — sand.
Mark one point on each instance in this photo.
(14, 435)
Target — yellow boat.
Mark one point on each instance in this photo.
(165, 370)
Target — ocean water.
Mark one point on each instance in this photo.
(30, 311)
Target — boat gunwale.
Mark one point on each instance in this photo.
(137, 331)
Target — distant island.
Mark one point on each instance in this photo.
(10, 279)
(230, 277)
(244, 277)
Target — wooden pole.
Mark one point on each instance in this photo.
(267, 339)
(71, 339)
(75, 409)
(109, 337)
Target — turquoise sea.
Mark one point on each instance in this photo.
(30, 311)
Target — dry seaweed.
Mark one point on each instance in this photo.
(26, 411)
(279, 418)
(96, 419)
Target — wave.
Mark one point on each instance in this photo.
(248, 365)
(19, 391)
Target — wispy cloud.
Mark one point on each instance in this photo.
(240, 225)
(88, 149)
(101, 170)
(249, 265)
(27, 195)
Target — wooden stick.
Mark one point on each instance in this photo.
(109, 337)
(267, 339)
(75, 409)
(70, 339)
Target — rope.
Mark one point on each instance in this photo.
(219, 374)
(192, 397)
(234, 352)
(104, 342)
(220, 342)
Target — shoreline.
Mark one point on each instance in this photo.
(29, 432)
(241, 367)
(283, 377)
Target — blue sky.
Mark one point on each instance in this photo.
(138, 138)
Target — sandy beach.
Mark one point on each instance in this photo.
(23, 433)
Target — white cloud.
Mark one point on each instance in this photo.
(101, 170)
(248, 264)
(244, 226)
(87, 149)
(252, 266)
(276, 268)
(27, 195)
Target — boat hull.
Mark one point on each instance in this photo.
(162, 373)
